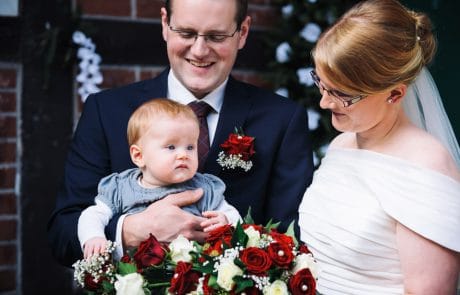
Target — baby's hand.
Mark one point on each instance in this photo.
(94, 246)
(213, 221)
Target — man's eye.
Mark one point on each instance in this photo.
(171, 147)
(216, 38)
(187, 34)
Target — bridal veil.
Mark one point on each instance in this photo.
(423, 105)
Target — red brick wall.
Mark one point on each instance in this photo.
(9, 217)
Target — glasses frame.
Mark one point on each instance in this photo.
(212, 38)
(350, 100)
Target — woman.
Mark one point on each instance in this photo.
(382, 215)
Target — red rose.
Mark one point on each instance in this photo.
(223, 232)
(256, 260)
(281, 254)
(207, 290)
(282, 238)
(184, 280)
(125, 258)
(150, 252)
(251, 291)
(302, 283)
(238, 144)
(304, 249)
(90, 284)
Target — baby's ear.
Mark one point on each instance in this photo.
(136, 155)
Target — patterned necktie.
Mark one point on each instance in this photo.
(202, 110)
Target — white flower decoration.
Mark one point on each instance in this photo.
(311, 32)
(306, 261)
(254, 237)
(304, 76)
(282, 52)
(287, 10)
(313, 119)
(278, 287)
(130, 284)
(225, 273)
(180, 249)
(90, 74)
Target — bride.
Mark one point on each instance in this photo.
(382, 215)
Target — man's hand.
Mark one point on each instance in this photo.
(165, 220)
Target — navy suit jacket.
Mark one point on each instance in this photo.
(273, 188)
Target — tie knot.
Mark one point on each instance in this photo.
(201, 109)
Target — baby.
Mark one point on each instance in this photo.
(162, 137)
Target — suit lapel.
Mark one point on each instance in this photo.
(235, 109)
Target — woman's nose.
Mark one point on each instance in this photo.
(326, 102)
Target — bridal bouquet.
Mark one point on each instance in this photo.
(241, 259)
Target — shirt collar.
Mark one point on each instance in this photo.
(178, 92)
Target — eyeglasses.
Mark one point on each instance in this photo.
(346, 99)
(193, 35)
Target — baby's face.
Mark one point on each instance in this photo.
(169, 149)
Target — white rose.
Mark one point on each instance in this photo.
(305, 77)
(254, 237)
(313, 119)
(180, 249)
(311, 32)
(130, 284)
(225, 273)
(282, 52)
(278, 287)
(306, 261)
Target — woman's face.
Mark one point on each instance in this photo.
(362, 116)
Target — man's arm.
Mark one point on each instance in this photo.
(292, 172)
(169, 220)
(87, 162)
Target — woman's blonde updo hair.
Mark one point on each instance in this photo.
(375, 45)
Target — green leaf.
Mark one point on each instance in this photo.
(108, 287)
(270, 225)
(290, 232)
(212, 282)
(242, 283)
(248, 218)
(126, 268)
(239, 236)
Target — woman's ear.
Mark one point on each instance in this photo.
(397, 93)
(136, 155)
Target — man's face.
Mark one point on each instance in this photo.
(202, 64)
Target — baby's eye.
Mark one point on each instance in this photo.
(190, 148)
(171, 147)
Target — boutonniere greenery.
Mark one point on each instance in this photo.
(237, 151)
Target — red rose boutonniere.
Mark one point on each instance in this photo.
(237, 151)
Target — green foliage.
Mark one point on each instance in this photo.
(283, 74)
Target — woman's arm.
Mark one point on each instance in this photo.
(427, 267)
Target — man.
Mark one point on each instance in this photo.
(203, 38)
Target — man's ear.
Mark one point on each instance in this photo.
(398, 92)
(164, 23)
(244, 31)
(136, 155)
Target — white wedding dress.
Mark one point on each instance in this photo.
(348, 217)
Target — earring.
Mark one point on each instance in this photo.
(390, 100)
